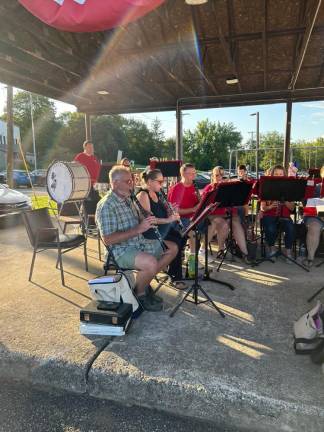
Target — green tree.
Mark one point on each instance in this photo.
(46, 124)
(209, 144)
(269, 158)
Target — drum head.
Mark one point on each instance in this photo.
(59, 182)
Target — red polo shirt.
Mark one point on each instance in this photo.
(91, 163)
(183, 196)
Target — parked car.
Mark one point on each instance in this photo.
(202, 180)
(12, 203)
(39, 177)
(3, 177)
(20, 178)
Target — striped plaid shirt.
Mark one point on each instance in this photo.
(116, 214)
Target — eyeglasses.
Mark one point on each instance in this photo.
(129, 181)
(159, 181)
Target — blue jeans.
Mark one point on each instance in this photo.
(271, 225)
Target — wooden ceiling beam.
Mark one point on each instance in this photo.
(265, 45)
(305, 42)
(201, 68)
(226, 47)
(13, 45)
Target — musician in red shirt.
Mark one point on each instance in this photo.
(185, 197)
(314, 225)
(219, 220)
(89, 160)
(275, 213)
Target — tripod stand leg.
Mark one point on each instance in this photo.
(208, 278)
(212, 302)
(296, 262)
(315, 295)
(174, 310)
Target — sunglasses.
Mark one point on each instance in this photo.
(159, 181)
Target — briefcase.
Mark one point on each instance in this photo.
(101, 312)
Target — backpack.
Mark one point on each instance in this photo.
(308, 330)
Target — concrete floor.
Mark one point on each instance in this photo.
(240, 371)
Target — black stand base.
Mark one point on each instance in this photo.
(195, 288)
(315, 295)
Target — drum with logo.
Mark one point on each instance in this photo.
(68, 181)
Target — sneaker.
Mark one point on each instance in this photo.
(307, 263)
(247, 260)
(147, 304)
(154, 297)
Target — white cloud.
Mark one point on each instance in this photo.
(316, 105)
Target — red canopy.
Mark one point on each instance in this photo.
(89, 15)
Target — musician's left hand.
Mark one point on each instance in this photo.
(174, 217)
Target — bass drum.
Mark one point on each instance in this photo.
(68, 181)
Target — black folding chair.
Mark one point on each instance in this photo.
(43, 235)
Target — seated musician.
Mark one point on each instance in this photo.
(150, 198)
(276, 215)
(314, 225)
(220, 221)
(186, 197)
(121, 228)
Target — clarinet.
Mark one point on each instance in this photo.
(169, 207)
(145, 214)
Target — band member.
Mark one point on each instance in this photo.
(314, 225)
(276, 215)
(242, 173)
(220, 221)
(89, 160)
(121, 228)
(152, 200)
(184, 195)
(125, 162)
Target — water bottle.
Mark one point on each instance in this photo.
(302, 251)
(191, 266)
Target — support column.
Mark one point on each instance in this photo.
(87, 121)
(10, 135)
(179, 146)
(286, 152)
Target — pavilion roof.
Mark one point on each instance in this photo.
(177, 53)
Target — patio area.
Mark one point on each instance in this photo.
(239, 372)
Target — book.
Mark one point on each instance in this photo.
(104, 329)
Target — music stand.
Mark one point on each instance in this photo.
(105, 167)
(231, 194)
(196, 287)
(283, 189)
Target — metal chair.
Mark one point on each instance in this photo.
(43, 235)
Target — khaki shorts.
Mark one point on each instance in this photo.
(127, 259)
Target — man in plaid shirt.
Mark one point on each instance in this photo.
(121, 228)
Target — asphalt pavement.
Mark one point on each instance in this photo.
(27, 409)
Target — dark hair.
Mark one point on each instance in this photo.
(277, 167)
(242, 167)
(150, 174)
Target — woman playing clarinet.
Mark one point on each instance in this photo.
(151, 200)
(276, 215)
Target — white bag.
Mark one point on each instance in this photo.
(308, 330)
(113, 288)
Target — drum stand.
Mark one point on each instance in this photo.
(81, 221)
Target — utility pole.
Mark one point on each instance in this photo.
(10, 135)
(33, 129)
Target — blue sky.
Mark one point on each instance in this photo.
(307, 118)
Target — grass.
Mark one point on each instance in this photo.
(41, 201)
